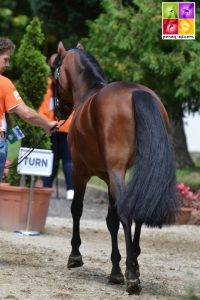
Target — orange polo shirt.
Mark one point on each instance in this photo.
(46, 109)
(9, 98)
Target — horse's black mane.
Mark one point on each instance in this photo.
(92, 68)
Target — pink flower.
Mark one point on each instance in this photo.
(188, 198)
(6, 168)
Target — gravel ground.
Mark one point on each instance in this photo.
(36, 267)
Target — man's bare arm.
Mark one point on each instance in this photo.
(32, 117)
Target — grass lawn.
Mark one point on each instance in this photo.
(190, 176)
(13, 150)
(98, 182)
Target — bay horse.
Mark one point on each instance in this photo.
(116, 125)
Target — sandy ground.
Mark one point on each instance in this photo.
(36, 267)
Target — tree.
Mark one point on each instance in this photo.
(64, 20)
(13, 20)
(61, 20)
(32, 65)
(32, 82)
(138, 53)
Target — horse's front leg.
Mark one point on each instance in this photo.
(112, 221)
(132, 267)
(75, 258)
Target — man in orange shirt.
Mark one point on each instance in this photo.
(10, 101)
(59, 142)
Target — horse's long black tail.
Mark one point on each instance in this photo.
(150, 195)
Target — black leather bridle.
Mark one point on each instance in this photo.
(61, 109)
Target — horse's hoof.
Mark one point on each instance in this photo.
(132, 274)
(116, 276)
(74, 261)
(133, 287)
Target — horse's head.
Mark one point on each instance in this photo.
(78, 75)
(63, 91)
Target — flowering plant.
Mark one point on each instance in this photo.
(188, 198)
(5, 171)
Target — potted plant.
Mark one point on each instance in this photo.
(33, 73)
(190, 201)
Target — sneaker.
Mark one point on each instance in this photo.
(70, 194)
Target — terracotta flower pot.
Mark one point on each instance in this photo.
(14, 202)
(184, 216)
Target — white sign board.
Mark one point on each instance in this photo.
(38, 162)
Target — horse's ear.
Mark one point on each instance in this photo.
(80, 46)
(52, 59)
(60, 48)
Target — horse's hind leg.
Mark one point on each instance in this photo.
(117, 189)
(112, 220)
(132, 267)
(136, 244)
(75, 258)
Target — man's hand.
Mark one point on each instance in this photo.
(51, 127)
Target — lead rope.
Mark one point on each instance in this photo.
(26, 154)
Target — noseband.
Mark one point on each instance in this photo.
(62, 110)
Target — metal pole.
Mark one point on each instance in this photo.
(30, 203)
(28, 216)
